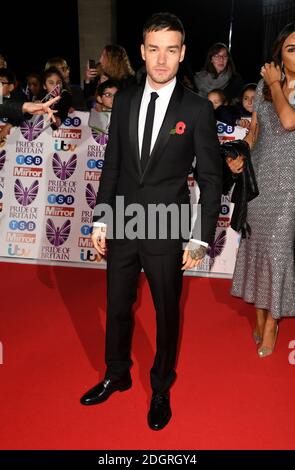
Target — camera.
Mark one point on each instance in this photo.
(91, 64)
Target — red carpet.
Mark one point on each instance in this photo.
(52, 335)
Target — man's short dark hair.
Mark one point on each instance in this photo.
(163, 20)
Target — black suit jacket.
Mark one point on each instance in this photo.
(165, 177)
(12, 110)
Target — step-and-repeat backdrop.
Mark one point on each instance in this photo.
(48, 184)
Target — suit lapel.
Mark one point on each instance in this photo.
(167, 125)
(133, 126)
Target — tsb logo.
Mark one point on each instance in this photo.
(224, 209)
(95, 164)
(221, 128)
(75, 122)
(22, 225)
(86, 229)
(29, 160)
(60, 199)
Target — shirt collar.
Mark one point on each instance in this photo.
(165, 92)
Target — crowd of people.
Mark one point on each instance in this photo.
(218, 77)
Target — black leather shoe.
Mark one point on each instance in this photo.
(160, 411)
(102, 391)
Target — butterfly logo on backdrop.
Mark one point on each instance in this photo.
(32, 128)
(57, 236)
(25, 196)
(217, 246)
(90, 196)
(2, 159)
(100, 137)
(64, 170)
(99, 123)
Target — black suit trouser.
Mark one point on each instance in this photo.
(124, 262)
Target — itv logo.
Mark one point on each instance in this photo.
(63, 146)
(88, 255)
(16, 250)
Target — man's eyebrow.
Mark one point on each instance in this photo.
(174, 46)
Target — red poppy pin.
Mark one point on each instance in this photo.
(179, 128)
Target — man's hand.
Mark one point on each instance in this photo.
(99, 241)
(193, 257)
(236, 165)
(41, 108)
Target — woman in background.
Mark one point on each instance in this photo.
(219, 73)
(265, 271)
(115, 64)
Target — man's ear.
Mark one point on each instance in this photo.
(182, 53)
(142, 51)
(98, 99)
(11, 87)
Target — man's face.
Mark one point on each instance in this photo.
(162, 52)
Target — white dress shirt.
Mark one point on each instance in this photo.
(160, 110)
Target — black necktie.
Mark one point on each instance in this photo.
(148, 129)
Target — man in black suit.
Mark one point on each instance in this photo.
(156, 131)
